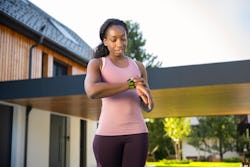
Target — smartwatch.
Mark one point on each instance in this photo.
(131, 84)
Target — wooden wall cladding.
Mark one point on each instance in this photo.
(14, 58)
(14, 54)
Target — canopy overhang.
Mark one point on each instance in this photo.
(195, 90)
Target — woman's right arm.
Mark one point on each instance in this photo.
(95, 87)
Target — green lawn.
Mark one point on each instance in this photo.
(195, 164)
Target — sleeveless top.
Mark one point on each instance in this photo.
(121, 114)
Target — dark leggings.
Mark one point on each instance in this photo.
(121, 151)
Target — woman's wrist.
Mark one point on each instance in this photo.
(131, 84)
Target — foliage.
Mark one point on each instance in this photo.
(165, 161)
(232, 159)
(135, 49)
(243, 143)
(177, 129)
(160, 146)
(215, 135)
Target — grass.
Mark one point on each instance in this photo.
(195, 164)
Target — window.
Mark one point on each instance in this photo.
(45, 65)
(59, 69)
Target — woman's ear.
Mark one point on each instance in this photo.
(105, 42)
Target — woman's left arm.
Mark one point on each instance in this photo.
(143, 89)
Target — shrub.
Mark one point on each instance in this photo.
(233, 159)
(165, 161)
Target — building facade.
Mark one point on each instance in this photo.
(33, 45)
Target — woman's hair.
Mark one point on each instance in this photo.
(101, 49)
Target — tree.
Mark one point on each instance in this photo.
(215, 135)
(135, 49)
(177, 129)
(160, 145)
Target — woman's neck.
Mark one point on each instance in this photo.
(120, 61)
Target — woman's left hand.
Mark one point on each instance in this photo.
(145, 95)
(139, 81)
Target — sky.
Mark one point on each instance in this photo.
(178, 32)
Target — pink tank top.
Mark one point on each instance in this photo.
(121, 114)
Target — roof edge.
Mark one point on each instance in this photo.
(34, 35)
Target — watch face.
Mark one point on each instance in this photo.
(131, 84)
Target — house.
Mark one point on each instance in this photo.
(34, 45)
(243, 126)
(46, 118)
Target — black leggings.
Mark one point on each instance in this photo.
(121, 151)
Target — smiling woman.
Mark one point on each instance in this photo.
(121, 138)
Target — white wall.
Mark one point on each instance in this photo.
(75, 142)
(91, 128)
(189, 150)
(74, 157)
(18, 136)
(39, 133)
(38, 138)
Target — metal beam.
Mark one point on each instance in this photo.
(159, 78)
(45, 87)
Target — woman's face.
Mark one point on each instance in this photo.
(116, 40)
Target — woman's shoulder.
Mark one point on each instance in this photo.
(95, 62)
(139, 64)
(141, 68)
(135, 61)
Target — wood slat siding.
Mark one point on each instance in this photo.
(14, 58)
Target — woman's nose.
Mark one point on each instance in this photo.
(119, 43)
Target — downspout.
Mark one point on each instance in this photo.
(28, 110)
(32, 47)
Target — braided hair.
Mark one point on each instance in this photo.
(101, 49)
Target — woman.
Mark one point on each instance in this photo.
(121, 138)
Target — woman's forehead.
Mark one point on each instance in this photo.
(116, 30)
